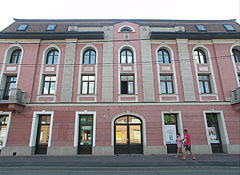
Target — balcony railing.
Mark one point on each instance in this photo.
(236, 96)
(15, 96)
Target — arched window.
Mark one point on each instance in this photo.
(164, 57)
(52, 57)
(126, 56)
(15, 57)
(200, 56)
(89, 57)
(236, 55)
(126, 29)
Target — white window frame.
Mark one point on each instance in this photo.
(76, 130)
(179, 123)
(221, 125)
(34, 130)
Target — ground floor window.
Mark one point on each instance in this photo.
(3, 129)
(43, 134)
(213, 133)
(85, 140)
(171, 128)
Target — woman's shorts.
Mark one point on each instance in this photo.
(187, 147)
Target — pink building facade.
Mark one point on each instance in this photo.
(109, 87)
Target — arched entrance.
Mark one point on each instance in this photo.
(128, 135)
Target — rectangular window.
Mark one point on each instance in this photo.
(10, 83)
(166, 83)
(127, 84)
(49, 84)
(204, 82)
(88, 84)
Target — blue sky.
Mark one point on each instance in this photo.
(121, 9)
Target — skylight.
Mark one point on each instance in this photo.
(200, 27)
(22, 27)
(51, 27)
(229, 27)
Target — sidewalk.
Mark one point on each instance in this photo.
(136, 161)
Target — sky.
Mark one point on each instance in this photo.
(118, 9)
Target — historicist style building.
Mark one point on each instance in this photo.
(107, 87)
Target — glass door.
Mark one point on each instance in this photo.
(42, 134)
(128, 135)
(170, 124)
(3, 129)
(213, 132)
(85, 134)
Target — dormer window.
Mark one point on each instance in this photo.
(51, 27)
(229, 27)
(201, 28)
(22, 27)
(126, 29)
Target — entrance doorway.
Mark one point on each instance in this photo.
(214, 134)
(171, 128)
(128, 135)
(85, 134)
(42, 134)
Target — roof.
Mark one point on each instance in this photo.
(38, 26)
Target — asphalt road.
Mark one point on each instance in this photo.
(120, 165)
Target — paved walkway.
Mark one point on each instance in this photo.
(130, 161)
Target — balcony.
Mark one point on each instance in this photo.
(16, 97)
(236, 98)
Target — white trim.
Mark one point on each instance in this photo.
(221, 121)
(134, 72)
(144, 131)
(211, 73)
(33, 136)
(133, 104)
(76, 129)
(233, 62)
(41, 80)
(95, 72)
(7, 58)
(179, 123)
(8, 126)
(173, 73)
(128, 26)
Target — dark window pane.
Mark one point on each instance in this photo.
(124, 87)
(236, 55)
